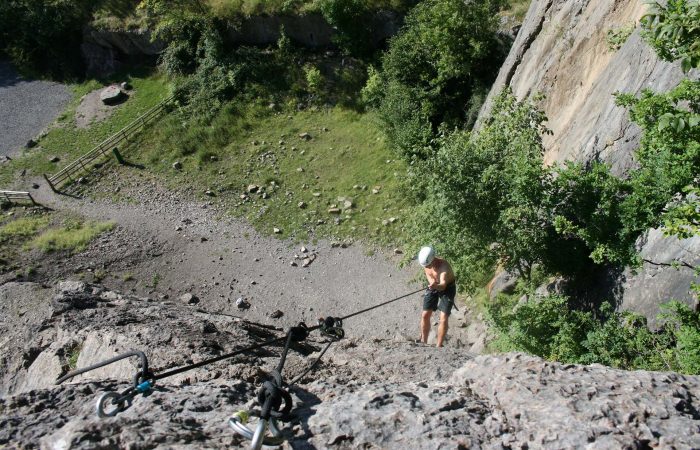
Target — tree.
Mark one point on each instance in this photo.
(445, 51)
(673, 31)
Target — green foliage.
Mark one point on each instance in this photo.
(22, 228)
(548, 327)
(668, 155)
(314, 79)
(444, 53)
(618, 36)
(44, 36)
(352, 22)
(485, 194)
(683, 217)
(673, 30)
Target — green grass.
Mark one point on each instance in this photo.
(68, 142)
(242, 147)
(72, 236)
(232, 8)
(22, 228)
(517, 9)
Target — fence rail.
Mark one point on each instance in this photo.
(17, 197)
(110, 144)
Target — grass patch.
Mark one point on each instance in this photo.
(72, 236)
(299, 179)
(22, 228)
(517, 9)
(68, 142)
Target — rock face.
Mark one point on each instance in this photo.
(561, 52)
(363, 394)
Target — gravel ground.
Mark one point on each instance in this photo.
(166, 245)
(26, 107)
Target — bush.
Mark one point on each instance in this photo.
(549, 328)
(445, 52)
(673, 31)
(351, 19)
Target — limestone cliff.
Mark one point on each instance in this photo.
(364, 394)
(562, 53)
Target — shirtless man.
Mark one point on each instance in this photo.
(439, 295)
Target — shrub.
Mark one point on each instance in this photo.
(673, 31)
(351, 19)
(444, 53)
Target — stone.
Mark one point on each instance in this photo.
(316, 194)
(31, 143)
(293, 264)
(189, 299)
(54, 159)
(252, 188)
(177, 165)
(276, 230)
(398, 251)
(333, 210)
(304, 249)
(301, 205)
(112, 95)
(209, 193)
(300, 169)
(242, 303)
(35, 186)
(392, 219)
(347, 204)
(276, 314)
(305, 136)
(83, 180)
(503, 282)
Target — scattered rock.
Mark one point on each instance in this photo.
(398, 251)
(35, 186)
(242, 303)
(209, 193)
(308, 260)
(276, 314)
(333, 210)
(203, 239)
(305, 136)
(293, 263)
(189, 299)
(316, 194)
(54, 159)
(300, 169)
(376, 189)
(83, 180)
(31, 143)
(276, 230)
(392, 219)
(347, 204)
(301, 205)
(177, 165)
(304, 249)
(126, 86)
(252, 188)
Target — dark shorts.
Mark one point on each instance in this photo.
(441, 300)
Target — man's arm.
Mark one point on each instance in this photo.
(441, 283)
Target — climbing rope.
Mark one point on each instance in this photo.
(274, 399)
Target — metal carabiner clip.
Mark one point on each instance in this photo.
(258, 439)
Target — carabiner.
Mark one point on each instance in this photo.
(257, 437)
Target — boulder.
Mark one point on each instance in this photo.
(112, 95)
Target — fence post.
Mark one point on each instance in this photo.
(50, 184)
(118, 155)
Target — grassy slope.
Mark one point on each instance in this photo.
(250, 144)
(68, 142)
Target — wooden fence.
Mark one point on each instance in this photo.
(17, 197)
(82, 164)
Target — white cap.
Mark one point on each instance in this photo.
(425, 256)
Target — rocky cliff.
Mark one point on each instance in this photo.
(561, 51)
(364, 394)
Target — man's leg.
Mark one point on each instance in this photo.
(425, 325)
(442, 328)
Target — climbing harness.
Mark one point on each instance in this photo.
(273, 396)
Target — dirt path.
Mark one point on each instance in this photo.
(164, 246)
